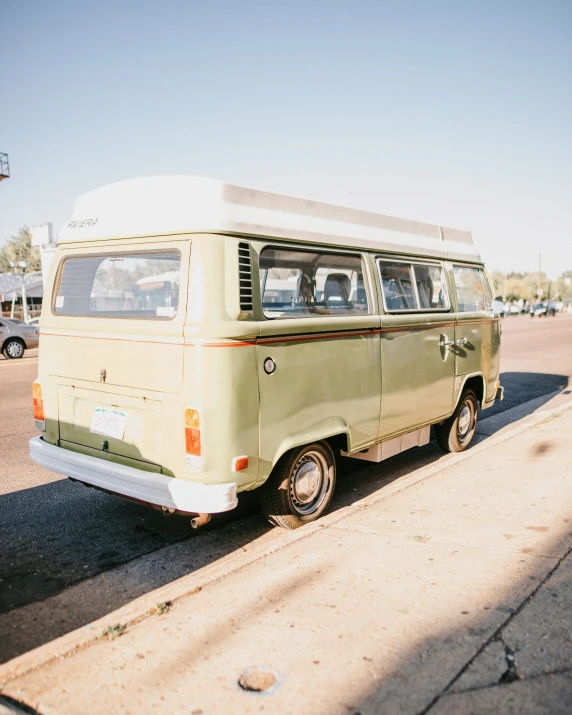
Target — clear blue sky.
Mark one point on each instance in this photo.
(447, 111)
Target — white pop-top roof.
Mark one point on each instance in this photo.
(166, 205)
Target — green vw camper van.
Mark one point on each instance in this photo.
(200, 339)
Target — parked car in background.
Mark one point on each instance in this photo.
(498, 307)
(16, 336)
(542, 309)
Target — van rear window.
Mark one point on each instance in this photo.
(137, 285)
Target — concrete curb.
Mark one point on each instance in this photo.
(145, 606)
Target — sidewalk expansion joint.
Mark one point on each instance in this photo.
(508, 676)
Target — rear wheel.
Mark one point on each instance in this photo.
(456, 433)
(300, 488)
(14, 349)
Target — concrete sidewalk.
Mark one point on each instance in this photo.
(452, 594)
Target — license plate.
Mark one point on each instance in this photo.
(108, 422)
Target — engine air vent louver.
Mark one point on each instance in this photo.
(245, 276)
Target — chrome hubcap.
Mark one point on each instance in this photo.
(464, 420)
(14, 349)
(309, 483)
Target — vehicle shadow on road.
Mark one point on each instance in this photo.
(71, 555)
(520, 388)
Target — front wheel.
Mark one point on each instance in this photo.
(13, 349)
(456, 433)
(300, 488)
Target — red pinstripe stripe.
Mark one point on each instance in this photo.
(316, 336)
(293, 338)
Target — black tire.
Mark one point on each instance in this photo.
(295, 494)
(456, 433)
(13, 349)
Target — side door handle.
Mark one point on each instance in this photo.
(462, 341)
(446, 343)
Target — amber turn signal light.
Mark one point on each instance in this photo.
(38, 403)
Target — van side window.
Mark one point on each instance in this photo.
(413, 286)
(138, 285)
(431, 287)
(397, 286)
(472, 291)
(296, 283)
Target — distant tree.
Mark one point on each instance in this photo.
(522, 285)
(563, 286)
(19, 248)
(497, 278)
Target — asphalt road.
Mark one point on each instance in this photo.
(66, 550)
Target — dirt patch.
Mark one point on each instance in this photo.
(540, 529)
(540, 448)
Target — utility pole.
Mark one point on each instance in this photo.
(539, 271)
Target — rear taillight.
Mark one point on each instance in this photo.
(38, 406)
(193, 442)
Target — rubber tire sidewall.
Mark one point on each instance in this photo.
(13, 357)
(446, 432)
(275, 498)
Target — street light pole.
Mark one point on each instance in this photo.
(24, 299)
(22, 276)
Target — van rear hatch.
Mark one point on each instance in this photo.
(115, 343)
(118, 317)
(129, 426)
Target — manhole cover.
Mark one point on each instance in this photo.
(257, 680)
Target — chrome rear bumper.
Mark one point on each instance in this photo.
(138, 484)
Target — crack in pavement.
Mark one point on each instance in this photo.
(511, 673)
